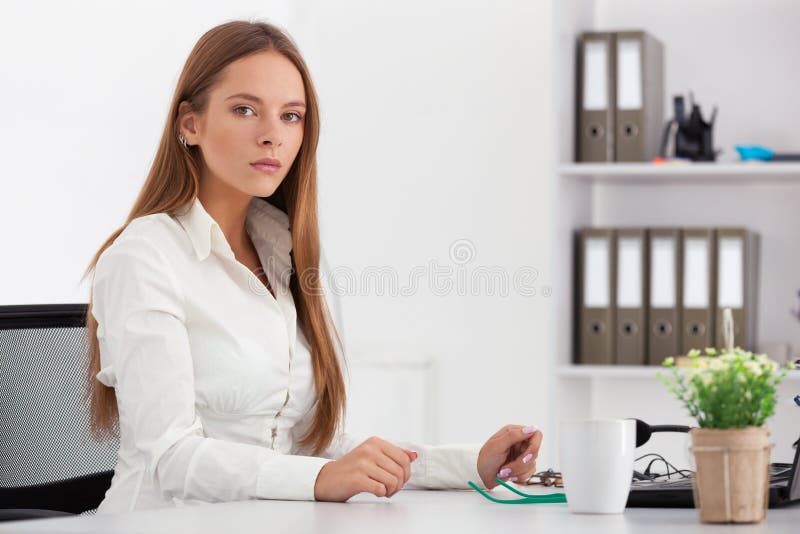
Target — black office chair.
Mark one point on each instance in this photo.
(49, 463)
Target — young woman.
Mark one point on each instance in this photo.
(212, 352)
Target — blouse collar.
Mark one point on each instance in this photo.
(267, 225)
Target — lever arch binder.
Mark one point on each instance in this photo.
(737, 251)
(697, 311)
(665, 291)
(631, 301)
(639, 107)
(596, 95)
(596, 295)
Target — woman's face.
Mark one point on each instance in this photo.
(255, 111)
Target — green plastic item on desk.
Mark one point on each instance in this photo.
(526, 499)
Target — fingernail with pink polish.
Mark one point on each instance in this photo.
(530, 429)
(512, 479)
(504, 472)
(527, 458)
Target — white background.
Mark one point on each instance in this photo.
(435, 128)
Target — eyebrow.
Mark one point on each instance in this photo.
(252, 98)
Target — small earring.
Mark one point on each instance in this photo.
(182, 139)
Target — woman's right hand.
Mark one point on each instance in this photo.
(376, 466)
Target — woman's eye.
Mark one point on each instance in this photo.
(297, 116)
(241, 107)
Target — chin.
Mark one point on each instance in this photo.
(265, 187)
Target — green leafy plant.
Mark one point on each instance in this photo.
(733, 389)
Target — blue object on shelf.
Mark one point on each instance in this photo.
(749, 152)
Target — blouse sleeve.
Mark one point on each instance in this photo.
(145, 355)
(448, 466)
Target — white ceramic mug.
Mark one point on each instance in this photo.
(597, 463)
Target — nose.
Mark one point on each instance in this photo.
(269, 140)
(271, 133)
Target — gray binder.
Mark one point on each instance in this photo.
(697, 311)
(631, 301)
(737, 251)
(595, 97)
(664, 311)
(639, 96)
(596, 295)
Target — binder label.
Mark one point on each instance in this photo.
(662, 272)
(629, 272)
(595, 81)
(695, 272)
(730, 274)
(596, 273)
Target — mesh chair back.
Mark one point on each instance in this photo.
(44, 417)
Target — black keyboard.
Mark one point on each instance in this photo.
(779, 476)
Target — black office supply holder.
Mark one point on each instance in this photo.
(693, 136)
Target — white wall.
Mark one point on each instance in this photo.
(436, 128)
(85, 93)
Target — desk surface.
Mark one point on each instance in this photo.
(415, 511)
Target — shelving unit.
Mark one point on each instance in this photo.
(763, 196)
(750, 172)
(629, 371)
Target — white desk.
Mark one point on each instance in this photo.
(409, 511)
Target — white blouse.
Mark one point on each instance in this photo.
(213, 378)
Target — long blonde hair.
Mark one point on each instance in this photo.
(173, 181)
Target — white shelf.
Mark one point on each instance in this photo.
(630, 371)
(749, 172)
(611, 371)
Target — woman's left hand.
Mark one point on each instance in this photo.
(510, 454)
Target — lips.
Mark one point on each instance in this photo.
(267, 165)
(267, 161)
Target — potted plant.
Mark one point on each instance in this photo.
(731, 394)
